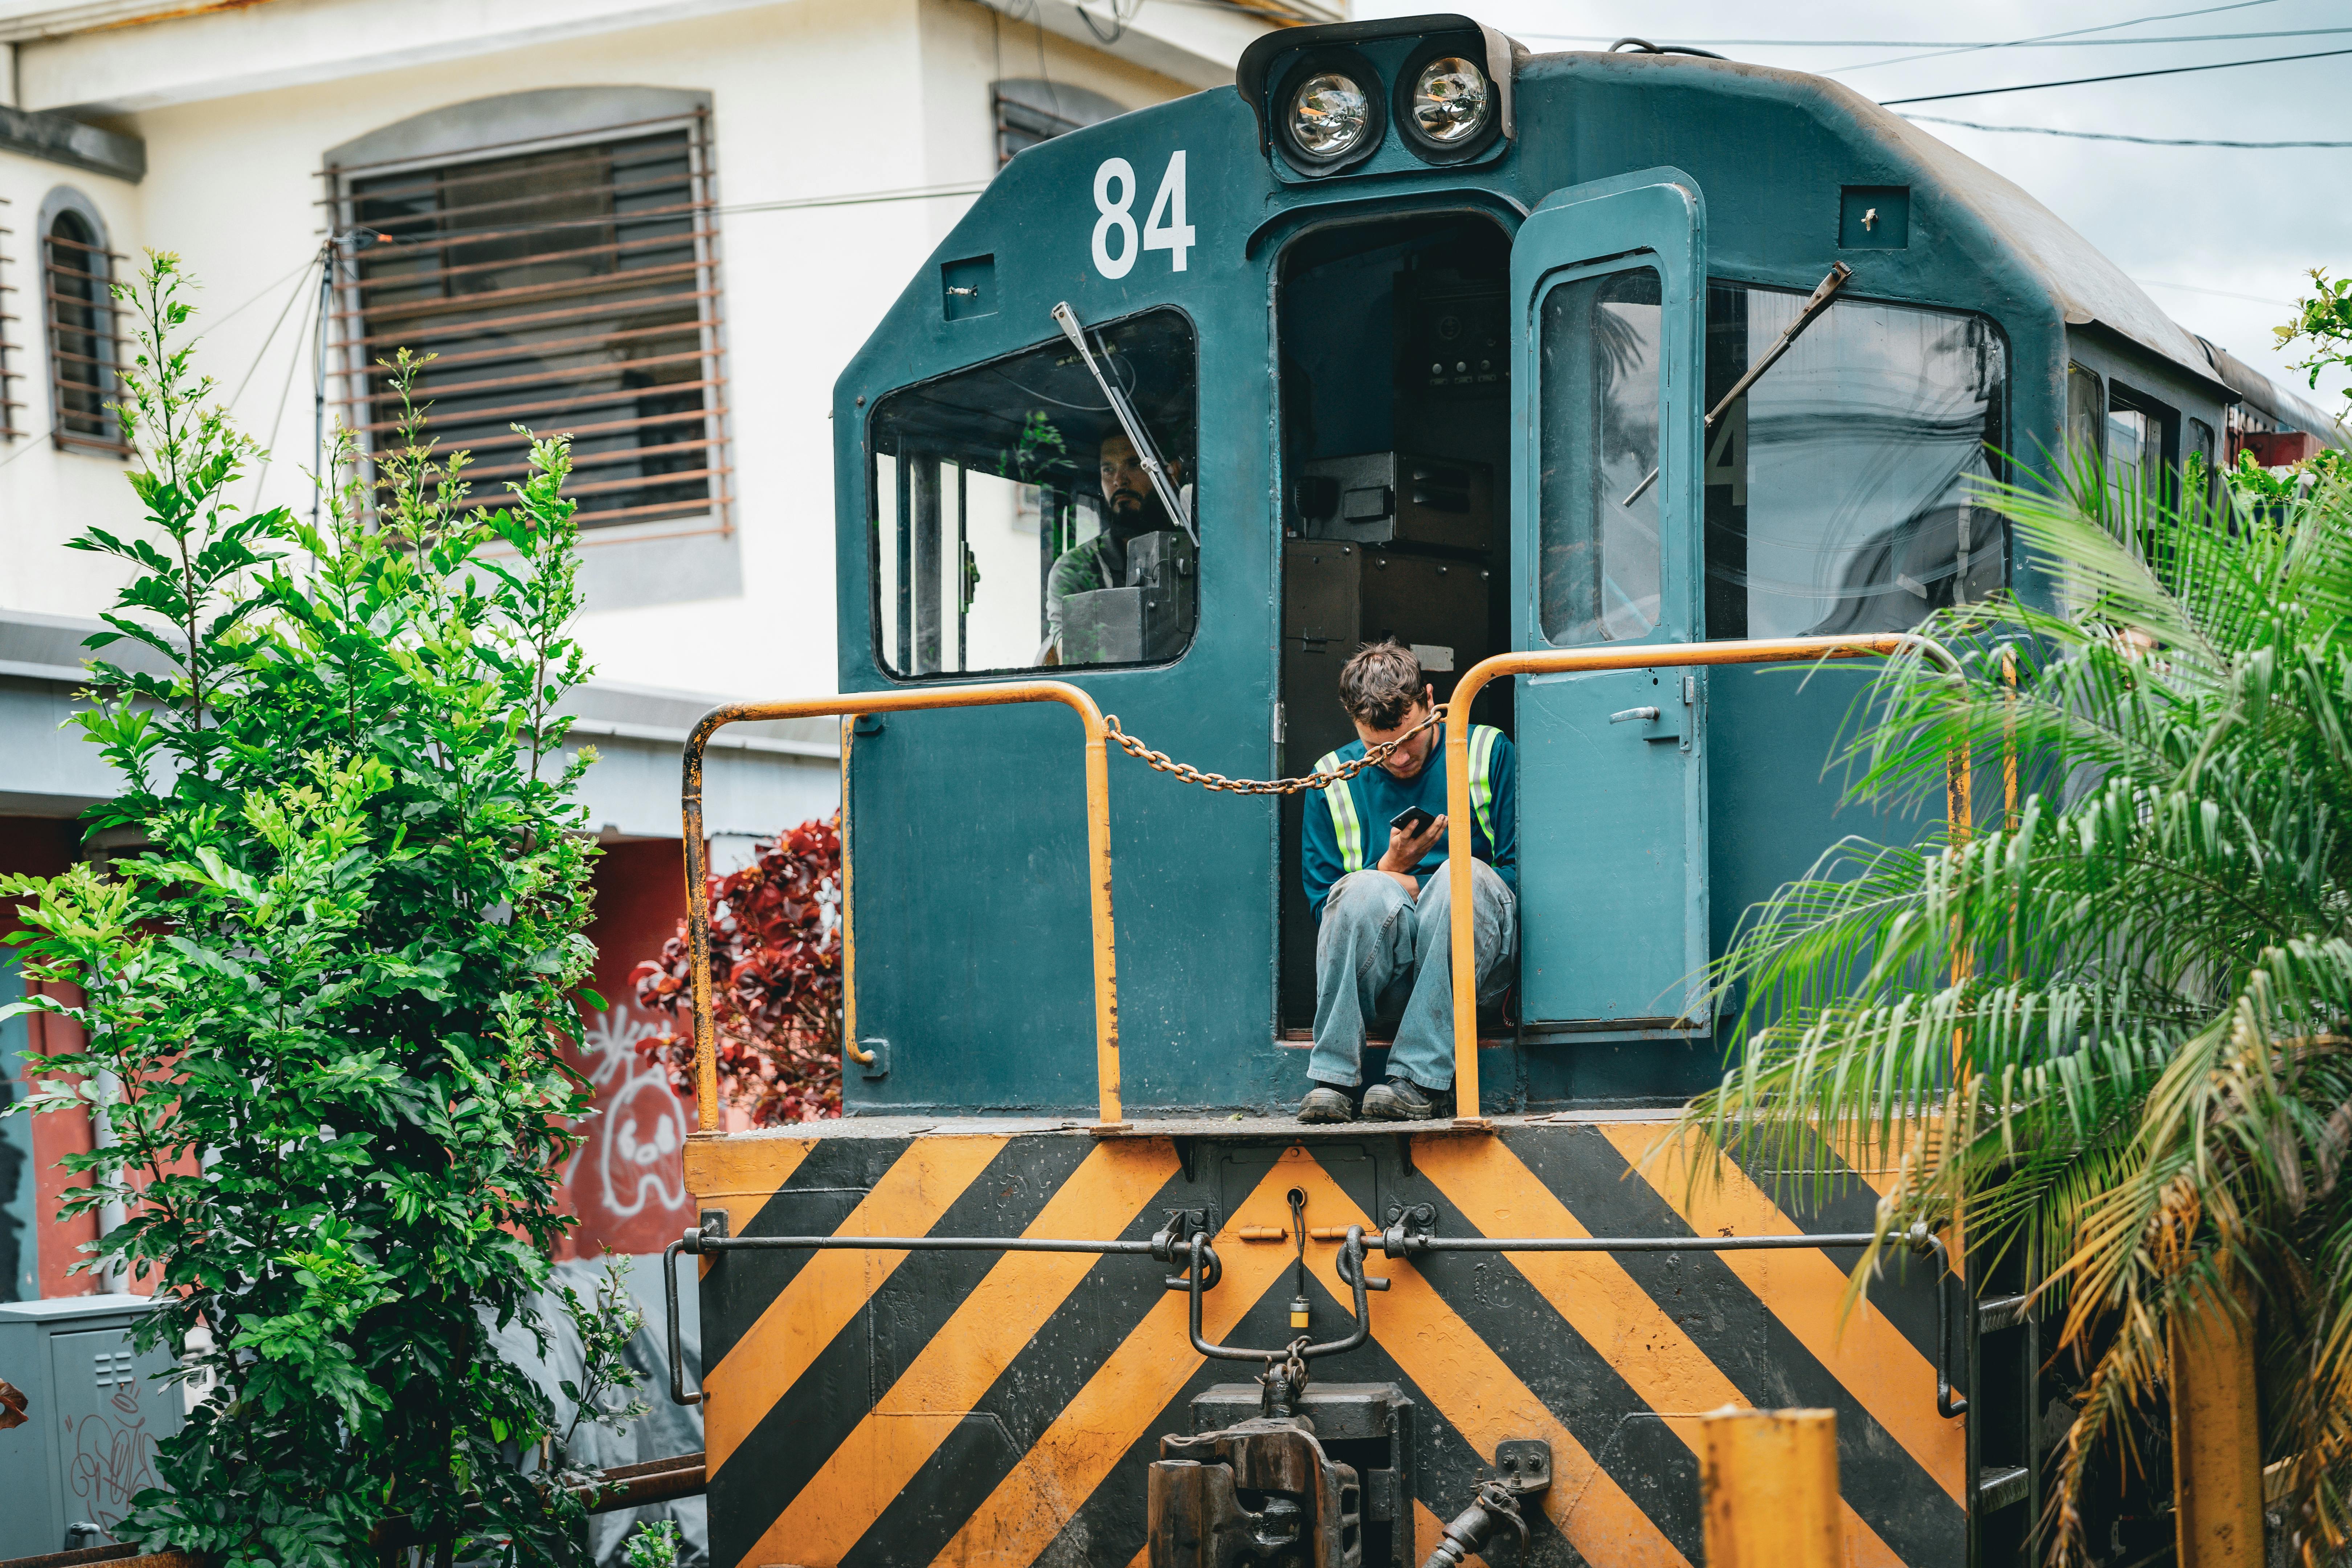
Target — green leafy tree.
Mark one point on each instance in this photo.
(2113, 1033)
(323, 1004)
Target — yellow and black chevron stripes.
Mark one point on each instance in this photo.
(872, 1409)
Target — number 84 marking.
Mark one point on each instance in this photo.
(1164, 227)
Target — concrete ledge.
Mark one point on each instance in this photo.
(55, 138)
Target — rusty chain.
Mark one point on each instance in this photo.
(1162, 762)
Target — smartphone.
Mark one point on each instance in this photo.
(1412, 819)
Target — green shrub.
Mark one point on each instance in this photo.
(323, 1002)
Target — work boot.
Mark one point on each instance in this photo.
(1324, 1103)
(1399, 1099)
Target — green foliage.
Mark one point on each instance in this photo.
(604, 1393)
(2323, 324)
(655, 1545)
(2145, 977)
(324, 1001)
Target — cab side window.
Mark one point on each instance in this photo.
(1013, 521)
(1841, 489)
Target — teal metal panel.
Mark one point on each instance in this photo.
(968, 832)
(1612, 810)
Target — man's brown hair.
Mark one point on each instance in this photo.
(1380, 684)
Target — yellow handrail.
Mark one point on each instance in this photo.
(697, 862)
(1643, 656)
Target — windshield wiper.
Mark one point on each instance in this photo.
(1145, 452)
(1839, 273)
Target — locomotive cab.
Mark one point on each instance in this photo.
(1454, 393)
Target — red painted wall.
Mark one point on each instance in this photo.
(42, 846)
(627, 1179)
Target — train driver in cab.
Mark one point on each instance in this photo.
(1131, 509)
(1383, 915)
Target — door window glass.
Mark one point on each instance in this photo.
(1841, 488)
(2085, 396)
(1014, 524)
(1599, 539)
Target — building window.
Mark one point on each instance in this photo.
(1030, 110)
(10, 403)
(78, 309)
(568, 282)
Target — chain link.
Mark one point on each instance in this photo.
(1162, 762)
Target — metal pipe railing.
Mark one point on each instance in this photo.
(698, 867)
(1640, 655)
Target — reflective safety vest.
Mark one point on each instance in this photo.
(1348, 828)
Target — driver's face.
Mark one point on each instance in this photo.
(1126, 488)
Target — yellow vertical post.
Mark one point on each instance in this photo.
(1458, 873)
(1107, 1108)
(1769, 1485)
(2217, 1441)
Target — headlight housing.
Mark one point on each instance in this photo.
(1447, 108)
(1452, 101)
(1328, 116)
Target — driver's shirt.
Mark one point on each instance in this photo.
(1097, 563)
(1378, 795)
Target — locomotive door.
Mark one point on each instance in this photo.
(1610, 279)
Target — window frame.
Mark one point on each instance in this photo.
(870, 454)
(543, 402)
(1995, 451)
(103, 330)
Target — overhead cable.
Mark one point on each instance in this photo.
(2112, 135)
(2120, 76)
(1956, 45)
(2049, 37)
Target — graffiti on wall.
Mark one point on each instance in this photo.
(626, 1181)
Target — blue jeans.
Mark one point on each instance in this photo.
(1382, 955)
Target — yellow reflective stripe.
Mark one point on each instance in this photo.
(1482, 778)
(1346, 826)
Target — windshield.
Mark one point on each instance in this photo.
(1013, 525)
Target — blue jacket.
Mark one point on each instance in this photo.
(1378, 795)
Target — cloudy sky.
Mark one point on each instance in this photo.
(2220, 237)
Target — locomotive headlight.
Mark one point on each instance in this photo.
(1452, 101)
(1329, 117)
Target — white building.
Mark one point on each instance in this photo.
(663, 224)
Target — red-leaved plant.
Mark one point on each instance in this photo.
(775, 962)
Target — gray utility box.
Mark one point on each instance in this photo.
(1394, 498)
(1336, 596)
(93, 1415)
(1148, 619)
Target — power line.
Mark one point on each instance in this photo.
(860, 198)
(2120, 76)
(1954, 44)
(2113, 136)
(2049, 37)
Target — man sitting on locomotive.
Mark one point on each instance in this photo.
(1382, 929)
(1131, 509)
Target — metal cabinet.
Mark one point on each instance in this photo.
(94, 1414)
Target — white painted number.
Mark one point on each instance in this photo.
(1164, 229)
(1115, 216)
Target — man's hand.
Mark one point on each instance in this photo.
(1407, 850)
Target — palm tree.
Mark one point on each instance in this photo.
(2110, 1028)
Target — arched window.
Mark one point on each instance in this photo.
(76, 271)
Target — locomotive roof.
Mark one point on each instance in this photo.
(2082, 284)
